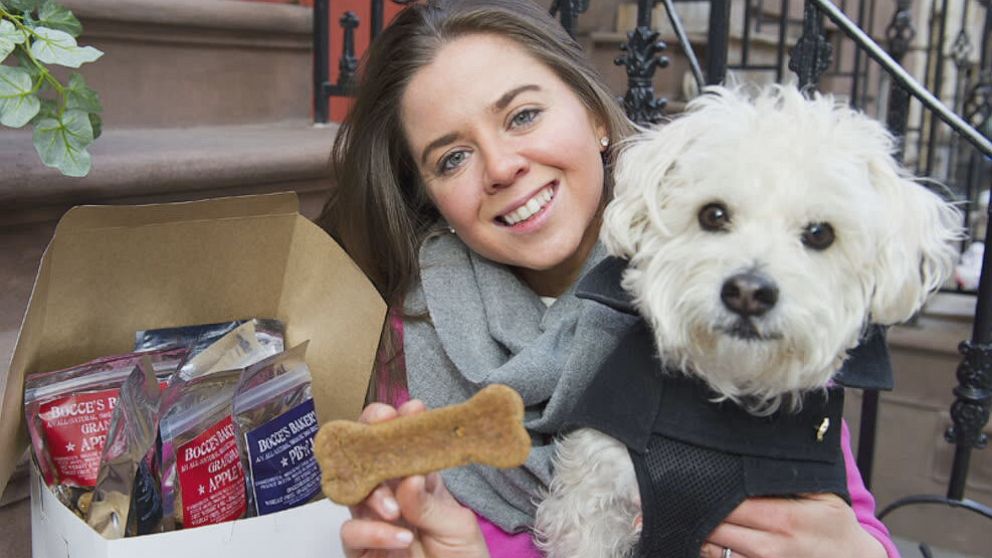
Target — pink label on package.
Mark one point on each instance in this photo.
(76, 430)
(210, 476)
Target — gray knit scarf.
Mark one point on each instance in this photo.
(488, 327)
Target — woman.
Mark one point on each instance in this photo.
(472, 179)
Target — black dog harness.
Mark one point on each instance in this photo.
(695, 459)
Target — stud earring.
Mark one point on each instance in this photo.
(604, 141)
(451, 230)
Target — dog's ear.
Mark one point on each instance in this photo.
(917, 249)
(639, 177)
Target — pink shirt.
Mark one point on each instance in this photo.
(520, 545)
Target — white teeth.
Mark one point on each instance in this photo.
(527, 210)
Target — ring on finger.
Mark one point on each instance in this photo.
(727, 553)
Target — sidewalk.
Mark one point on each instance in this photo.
(911, 549)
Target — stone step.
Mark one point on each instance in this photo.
(142, 165)
(178, 63)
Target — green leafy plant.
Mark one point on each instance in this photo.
(65, 117)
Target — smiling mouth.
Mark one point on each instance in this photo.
(529, 209)
(745, 330)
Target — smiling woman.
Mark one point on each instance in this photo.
(389, 204)
(515, 166)
(472, 173)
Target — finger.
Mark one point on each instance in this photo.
(743, 541)
(710, 550)
(364, 534)
(377, 412)
(784, 515)
(433, 509)
(412, 407)
(435, 486)
(758, 513)
(380, 504)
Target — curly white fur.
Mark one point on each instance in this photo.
(778, 162)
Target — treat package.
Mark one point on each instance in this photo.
(236, 349)
(126, 499)
(276, 423)
(202, 478)
(68, 415)
(199, 337)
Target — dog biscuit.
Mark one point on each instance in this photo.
(487, 429)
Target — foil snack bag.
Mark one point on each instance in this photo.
(202, 478)
(238, 348)
(68, 415)
(126, 499)
(199, 337)
(276, 422)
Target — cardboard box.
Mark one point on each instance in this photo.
(112, 270)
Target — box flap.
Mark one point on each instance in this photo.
(110, 271)
(13, 436)
(107, 216)
(327, 299)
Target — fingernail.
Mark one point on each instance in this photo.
(390, 506)
(404, 537)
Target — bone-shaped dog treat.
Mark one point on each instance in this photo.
(486, 429)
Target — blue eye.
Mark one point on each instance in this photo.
(524, 117)
(451, 162)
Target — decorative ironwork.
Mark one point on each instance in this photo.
(961, 49)
(810, 57)
(978, 103)
(348, 65)
(970, 411)
(897, 118)
(641, 59)
(568, 11)
(900, 32)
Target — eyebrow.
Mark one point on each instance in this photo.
(507, 97)
(499, 105)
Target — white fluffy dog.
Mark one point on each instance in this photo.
(763, 234)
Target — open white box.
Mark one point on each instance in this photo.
(112, 270)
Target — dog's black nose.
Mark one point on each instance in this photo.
(749, 294)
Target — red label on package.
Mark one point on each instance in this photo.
(76, 429)
(210, 476)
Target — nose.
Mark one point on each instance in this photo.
(504, 165)
(749, 294)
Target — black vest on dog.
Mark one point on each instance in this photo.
(696, 460)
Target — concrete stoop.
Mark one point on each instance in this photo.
(182, 63)
(911, 455)
(201, 99)
(143, 165)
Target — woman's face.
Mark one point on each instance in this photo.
(509, 154)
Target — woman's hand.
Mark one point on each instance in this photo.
(814, 526)
(414, 517)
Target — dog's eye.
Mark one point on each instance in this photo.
(818, 236)
(714, 217)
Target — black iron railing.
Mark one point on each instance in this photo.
(349, 23)
(811, 58)
(817, 54)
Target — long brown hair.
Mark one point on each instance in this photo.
(379, 209)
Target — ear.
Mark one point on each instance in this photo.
(639, 182)
(917, 251)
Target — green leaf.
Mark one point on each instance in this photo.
(24, 5)
(52, 46)
(49, 109)
(56, 16)
(80, 97)
(62, 143)
(18, 103)
(10, 37)
(97, 123)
